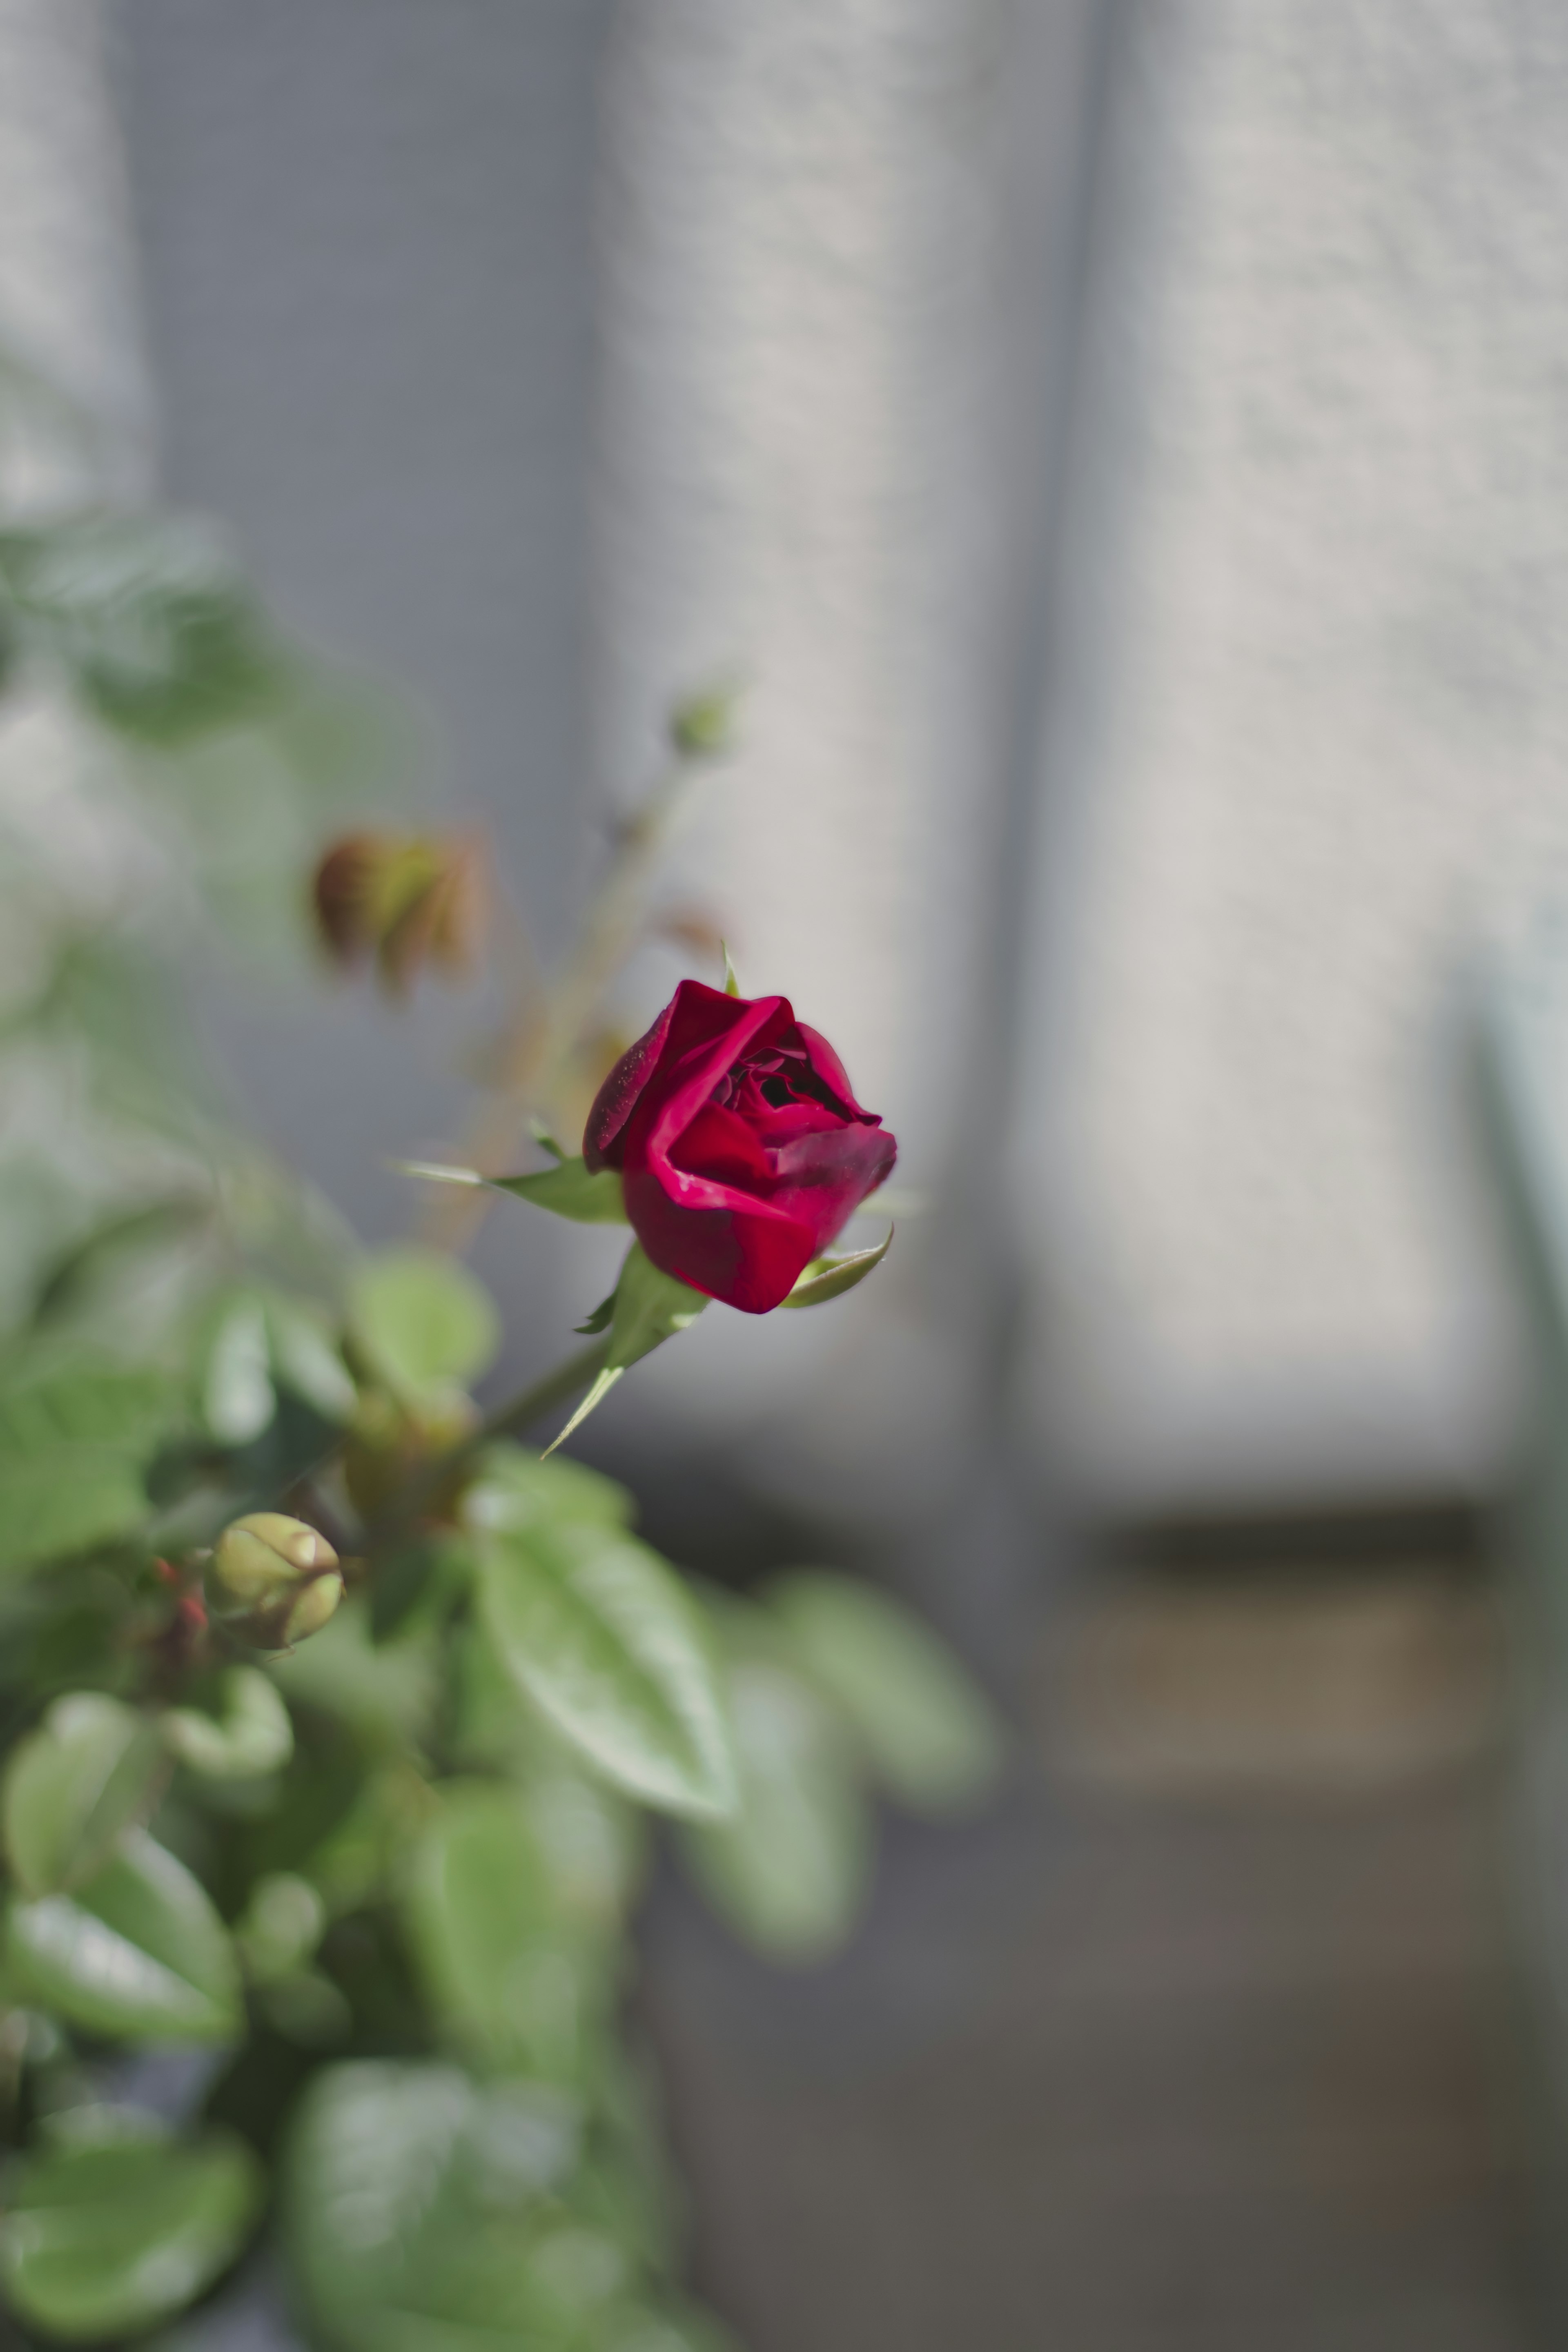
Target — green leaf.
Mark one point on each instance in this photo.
(66, 1501)
(487, 1934)
(789, 1870)
(306, 1357)
(74, 1787)
(648, 1307)
(567, 1188)
(74, 1443)
(516, 1489)
(281, 1927)
(927, 1733)
(406, 1577)
(423, 2213)
(591, 1839)
(423, 1320)
(602, 1636)
(251, 1736)
(384, 1691)
(830, 1277)
(123, 1260)
(238, 1399)
(148, 616)
(106, 2241)
(138, 1951)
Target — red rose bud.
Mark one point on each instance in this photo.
(742, 1149)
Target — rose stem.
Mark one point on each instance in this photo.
(577, 1372)
(542, 1035)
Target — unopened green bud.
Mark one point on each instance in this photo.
(315, 1605)
(702, 726)
(261, 1557)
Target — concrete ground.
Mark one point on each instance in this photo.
(1199, 2041)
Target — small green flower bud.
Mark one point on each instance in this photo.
(259, 1558)
(315, 1605)
(702, 726)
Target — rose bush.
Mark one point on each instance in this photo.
(369, 1900)
(742, 1149)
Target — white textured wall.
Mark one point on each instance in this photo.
(67, 280)
(830, 236)
(1310, 714)
(70, 851)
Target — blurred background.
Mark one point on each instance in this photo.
(1119, 450)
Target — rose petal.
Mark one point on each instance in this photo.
(827, 1067)
(747, 1253)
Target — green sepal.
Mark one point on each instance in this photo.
(650, 1307)
(830, 1277)
(732, 985)
(604, 1380)
(599, 1320)
(647, 1308)
(568, 1188)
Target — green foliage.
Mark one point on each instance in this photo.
(251, 1734)
(74, 1443)
(256, 1343)
(790, 1868)
(425, 2210)
(515, 1490)
(509, 1972)
(101, 2240)
(138, 1951)
(596, 1629)
(927, 1735)
(387, 1878)
(73, 1789)
(147, 618)
(282, 1927)
(422, 1321)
